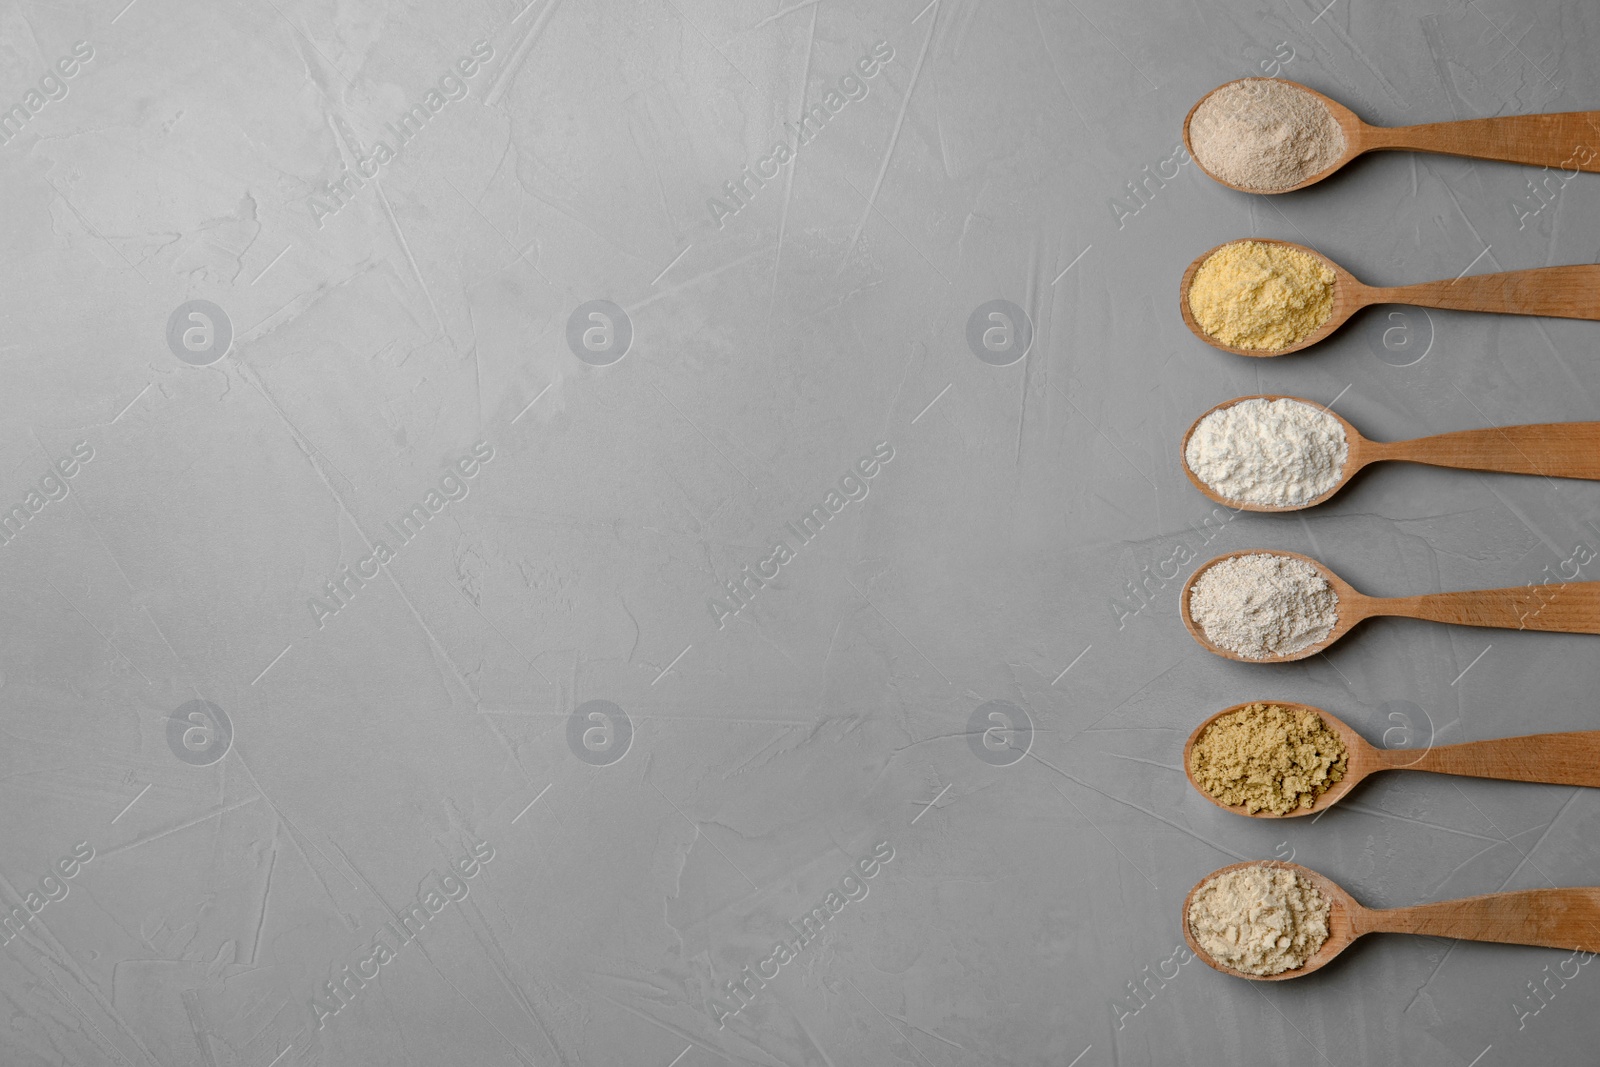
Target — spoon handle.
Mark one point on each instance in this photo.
(1564, 140)
(1554, 918)
(1561, 607)
(1553, 759)
(1567, 292)
(1553, 449)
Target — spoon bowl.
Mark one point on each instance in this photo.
(1564, 918)
(1342, 927)
(1571, 758)
(1550, 449)
(1348, 298)
(1566, 292)
(1361, 759)
(1557, 140)
(1350, 609)
(1354, 136)
(1360, 454)
(1556, 607)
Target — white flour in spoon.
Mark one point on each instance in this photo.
(1260, 606)
(1273, 452)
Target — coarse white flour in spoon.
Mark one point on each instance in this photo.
(1274, 452)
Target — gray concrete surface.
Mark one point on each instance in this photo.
(395, 388)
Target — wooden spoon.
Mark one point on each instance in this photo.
(1560, 607)
(1552, 918)
(1553, 759)
(1553, 449)
(1567, 292)
(1560, 140)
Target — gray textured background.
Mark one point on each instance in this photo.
(373, 347)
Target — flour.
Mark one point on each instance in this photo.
(1274, 452)
(1261, 295)
(1259, 606)
(1259, 919)
(1265, 135)
(1268, 757)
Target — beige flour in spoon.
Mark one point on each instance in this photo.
(1259, 919)
(1260, 606)
(1264, 134)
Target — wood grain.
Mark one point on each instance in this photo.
(1564, 292)
(1565, 607)
(1571, 758)
(1553, 918)
(1552, 449)
(1566, 140)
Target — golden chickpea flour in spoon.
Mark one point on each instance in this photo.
(1261, 295)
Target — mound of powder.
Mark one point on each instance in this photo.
(1268, 757)
(1274, 452)
(1253, 295)
(1259, 919)
(1261, 605)
(1263, 134)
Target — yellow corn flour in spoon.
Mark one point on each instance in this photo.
(1261, 296)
